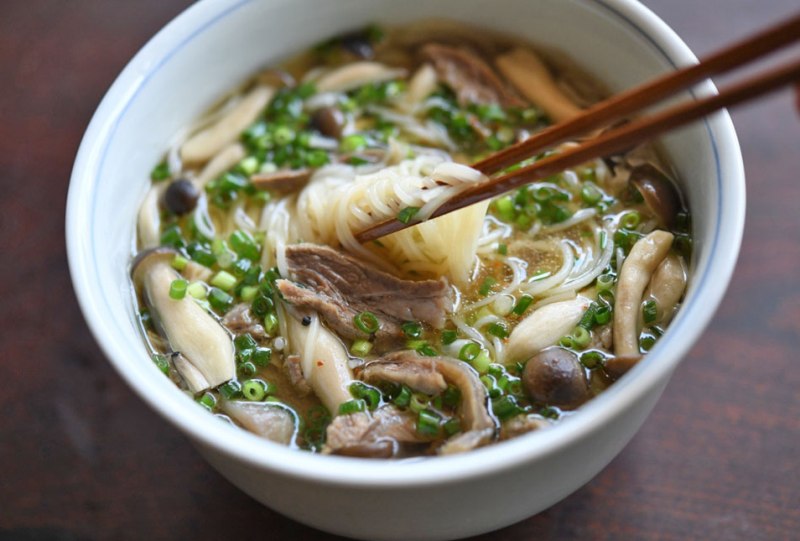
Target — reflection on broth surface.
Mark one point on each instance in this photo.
(478, 326)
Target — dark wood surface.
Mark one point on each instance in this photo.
(82, 458)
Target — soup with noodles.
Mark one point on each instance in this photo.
(478, 326)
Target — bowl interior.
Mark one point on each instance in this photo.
(215, 45)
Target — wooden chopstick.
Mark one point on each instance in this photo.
(620, 105)
(616, 140)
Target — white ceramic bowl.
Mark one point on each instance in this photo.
(217, 43)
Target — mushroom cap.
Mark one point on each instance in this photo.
(146, 258)
(658, 192)
(554, 376)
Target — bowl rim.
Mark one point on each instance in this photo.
(181, 412)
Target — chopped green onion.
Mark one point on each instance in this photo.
(605, 282)
(592, 359)
(602, 315)
(469, 351)
(591, 194)
(452, 426)
(367, 393)
(367, 322)
(427, 350)
(505, 208)
(248, 293)
(177, 289)
(173, 236)
(219, 300)
(270, 324)
(646, 342)
(162, 363)
(230, 390)
(522, 304)
(449, 336)
(587, 321)
(247, 368)
(481, 362)
(208, 401)
(225, 258)
(630, 220)
(491, 386)
(567, 342)
(179, 262)
(418, 402)
(650, 311)
(407, 214)
(451, 396)
(262, 305)
(255, 389)
(283, 135)
(361, 348)
(261, 356)
(352, 143)
(549, 412)
(244, 245)
(498, 329)
(505, 407)
(243, 342)
(160, 172)
(223, 280)
(486, 285)
(198, 290)
(502, 249)
(403, 398)
(352, 406)
(428, 423)
(581, 337)
(606, 297)
(202, 254)
(249, 165)
(412, 329)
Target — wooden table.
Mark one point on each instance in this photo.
(82, 458)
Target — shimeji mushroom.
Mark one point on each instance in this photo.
(543, 328)
(638, 268)
(658, 192)
(322, 358)
(532, 79)
(206, 143)
(666, 287)
(206, 353)
(357, 74)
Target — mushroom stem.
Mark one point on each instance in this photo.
(356, 74)
(221, 162)
(667, 286)
(149, 220)
(532, 79)
(203, 145)
(323, 360)
(207, 357)
(634, 276)
(543, 328)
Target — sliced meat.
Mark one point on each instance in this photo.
(339, 287)
(472, 79)
(240, 320)
(406, 367)
(294, 371)
(421, 375)
(282, 181)
(381, 434)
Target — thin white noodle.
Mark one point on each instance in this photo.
(541, 286)
(580, 216)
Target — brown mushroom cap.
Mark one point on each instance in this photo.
(329, 121)
(146, 258)
(658, 192)
(554, 376)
